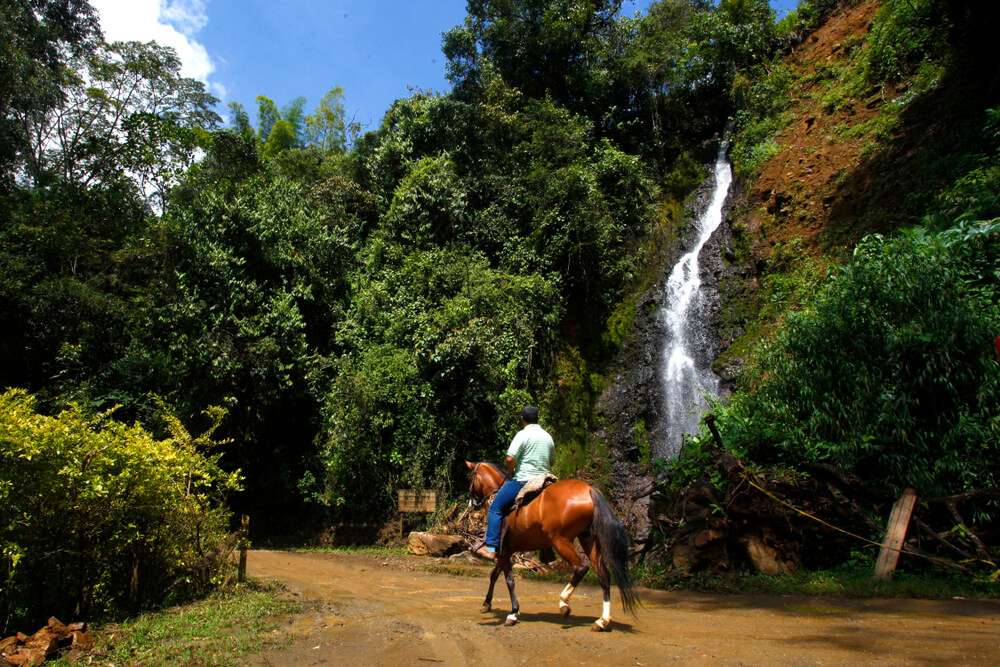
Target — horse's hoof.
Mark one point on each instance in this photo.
(564, 611)
(511, 620)
(600, 625)
(485, 609)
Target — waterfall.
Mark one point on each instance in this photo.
(688, 351)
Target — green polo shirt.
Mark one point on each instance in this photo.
(533, 450)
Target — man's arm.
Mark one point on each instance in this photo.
(511, 463)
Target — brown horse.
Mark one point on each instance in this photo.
(563, 512)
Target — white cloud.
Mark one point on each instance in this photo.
(170, 23)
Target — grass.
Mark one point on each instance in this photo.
(215, 632)
(850, 583)
(372, 550)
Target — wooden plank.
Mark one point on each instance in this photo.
(418, 500)
(899, 520)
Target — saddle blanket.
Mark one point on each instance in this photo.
(532, 488)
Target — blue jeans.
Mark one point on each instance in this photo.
(498, 508)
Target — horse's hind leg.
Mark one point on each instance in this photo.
(601, 570)
(568, 552)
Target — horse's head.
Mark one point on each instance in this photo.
(484, 480)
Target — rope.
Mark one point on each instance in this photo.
(943, 561)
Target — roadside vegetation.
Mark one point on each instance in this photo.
(223, 629)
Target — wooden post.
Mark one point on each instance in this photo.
(244, 532)
(899, 520)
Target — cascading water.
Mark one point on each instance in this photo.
(687, 372)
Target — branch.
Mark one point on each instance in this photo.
(980, 547)
(988, 492)
(930, 532)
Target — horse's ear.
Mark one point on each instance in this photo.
(470, 465)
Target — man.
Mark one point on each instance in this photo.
(531, 453)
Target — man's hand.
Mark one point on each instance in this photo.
(511, 463)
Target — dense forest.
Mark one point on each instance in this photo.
(343, 314)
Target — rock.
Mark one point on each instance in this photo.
(57, 626)
(26, 656)
(428, 544)
(82, 641)
(45, 640)
(74, 655)
(766, 559)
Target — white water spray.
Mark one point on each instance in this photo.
(687, 374)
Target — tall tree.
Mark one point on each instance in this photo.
(127, 115)
(37, 39)
(538, 47)
(267, 116)
(325, 127)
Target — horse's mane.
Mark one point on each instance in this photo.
(494, 466)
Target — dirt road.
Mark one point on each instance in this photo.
(376, 610)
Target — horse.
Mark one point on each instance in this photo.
(563, 512)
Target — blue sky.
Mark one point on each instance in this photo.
(374, 49)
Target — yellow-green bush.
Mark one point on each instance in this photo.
(97, 516)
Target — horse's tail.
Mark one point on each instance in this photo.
(611, 535)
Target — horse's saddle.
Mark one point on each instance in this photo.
(532, 488)
(529, 492)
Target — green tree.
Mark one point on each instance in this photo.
(438, 352)
(324, 127)
(38, 39)
(538, 47)
(267, 116)
(127, 117)
(240, 121)
(282, 137)
(251, 277)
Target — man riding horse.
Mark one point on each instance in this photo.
(531, 453)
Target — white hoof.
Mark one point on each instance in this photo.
(511, 620)
(600, 625)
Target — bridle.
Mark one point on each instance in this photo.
(474, 491)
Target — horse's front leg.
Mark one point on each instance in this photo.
(488, 602)
(508, 571)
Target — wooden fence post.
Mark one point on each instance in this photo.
(244, 532)
(899, 520)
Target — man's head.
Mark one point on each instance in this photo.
(529, 414)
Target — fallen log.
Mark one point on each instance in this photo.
(429, 544)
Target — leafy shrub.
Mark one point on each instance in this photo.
(96, 515)
(892, 375)
(905, 33)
